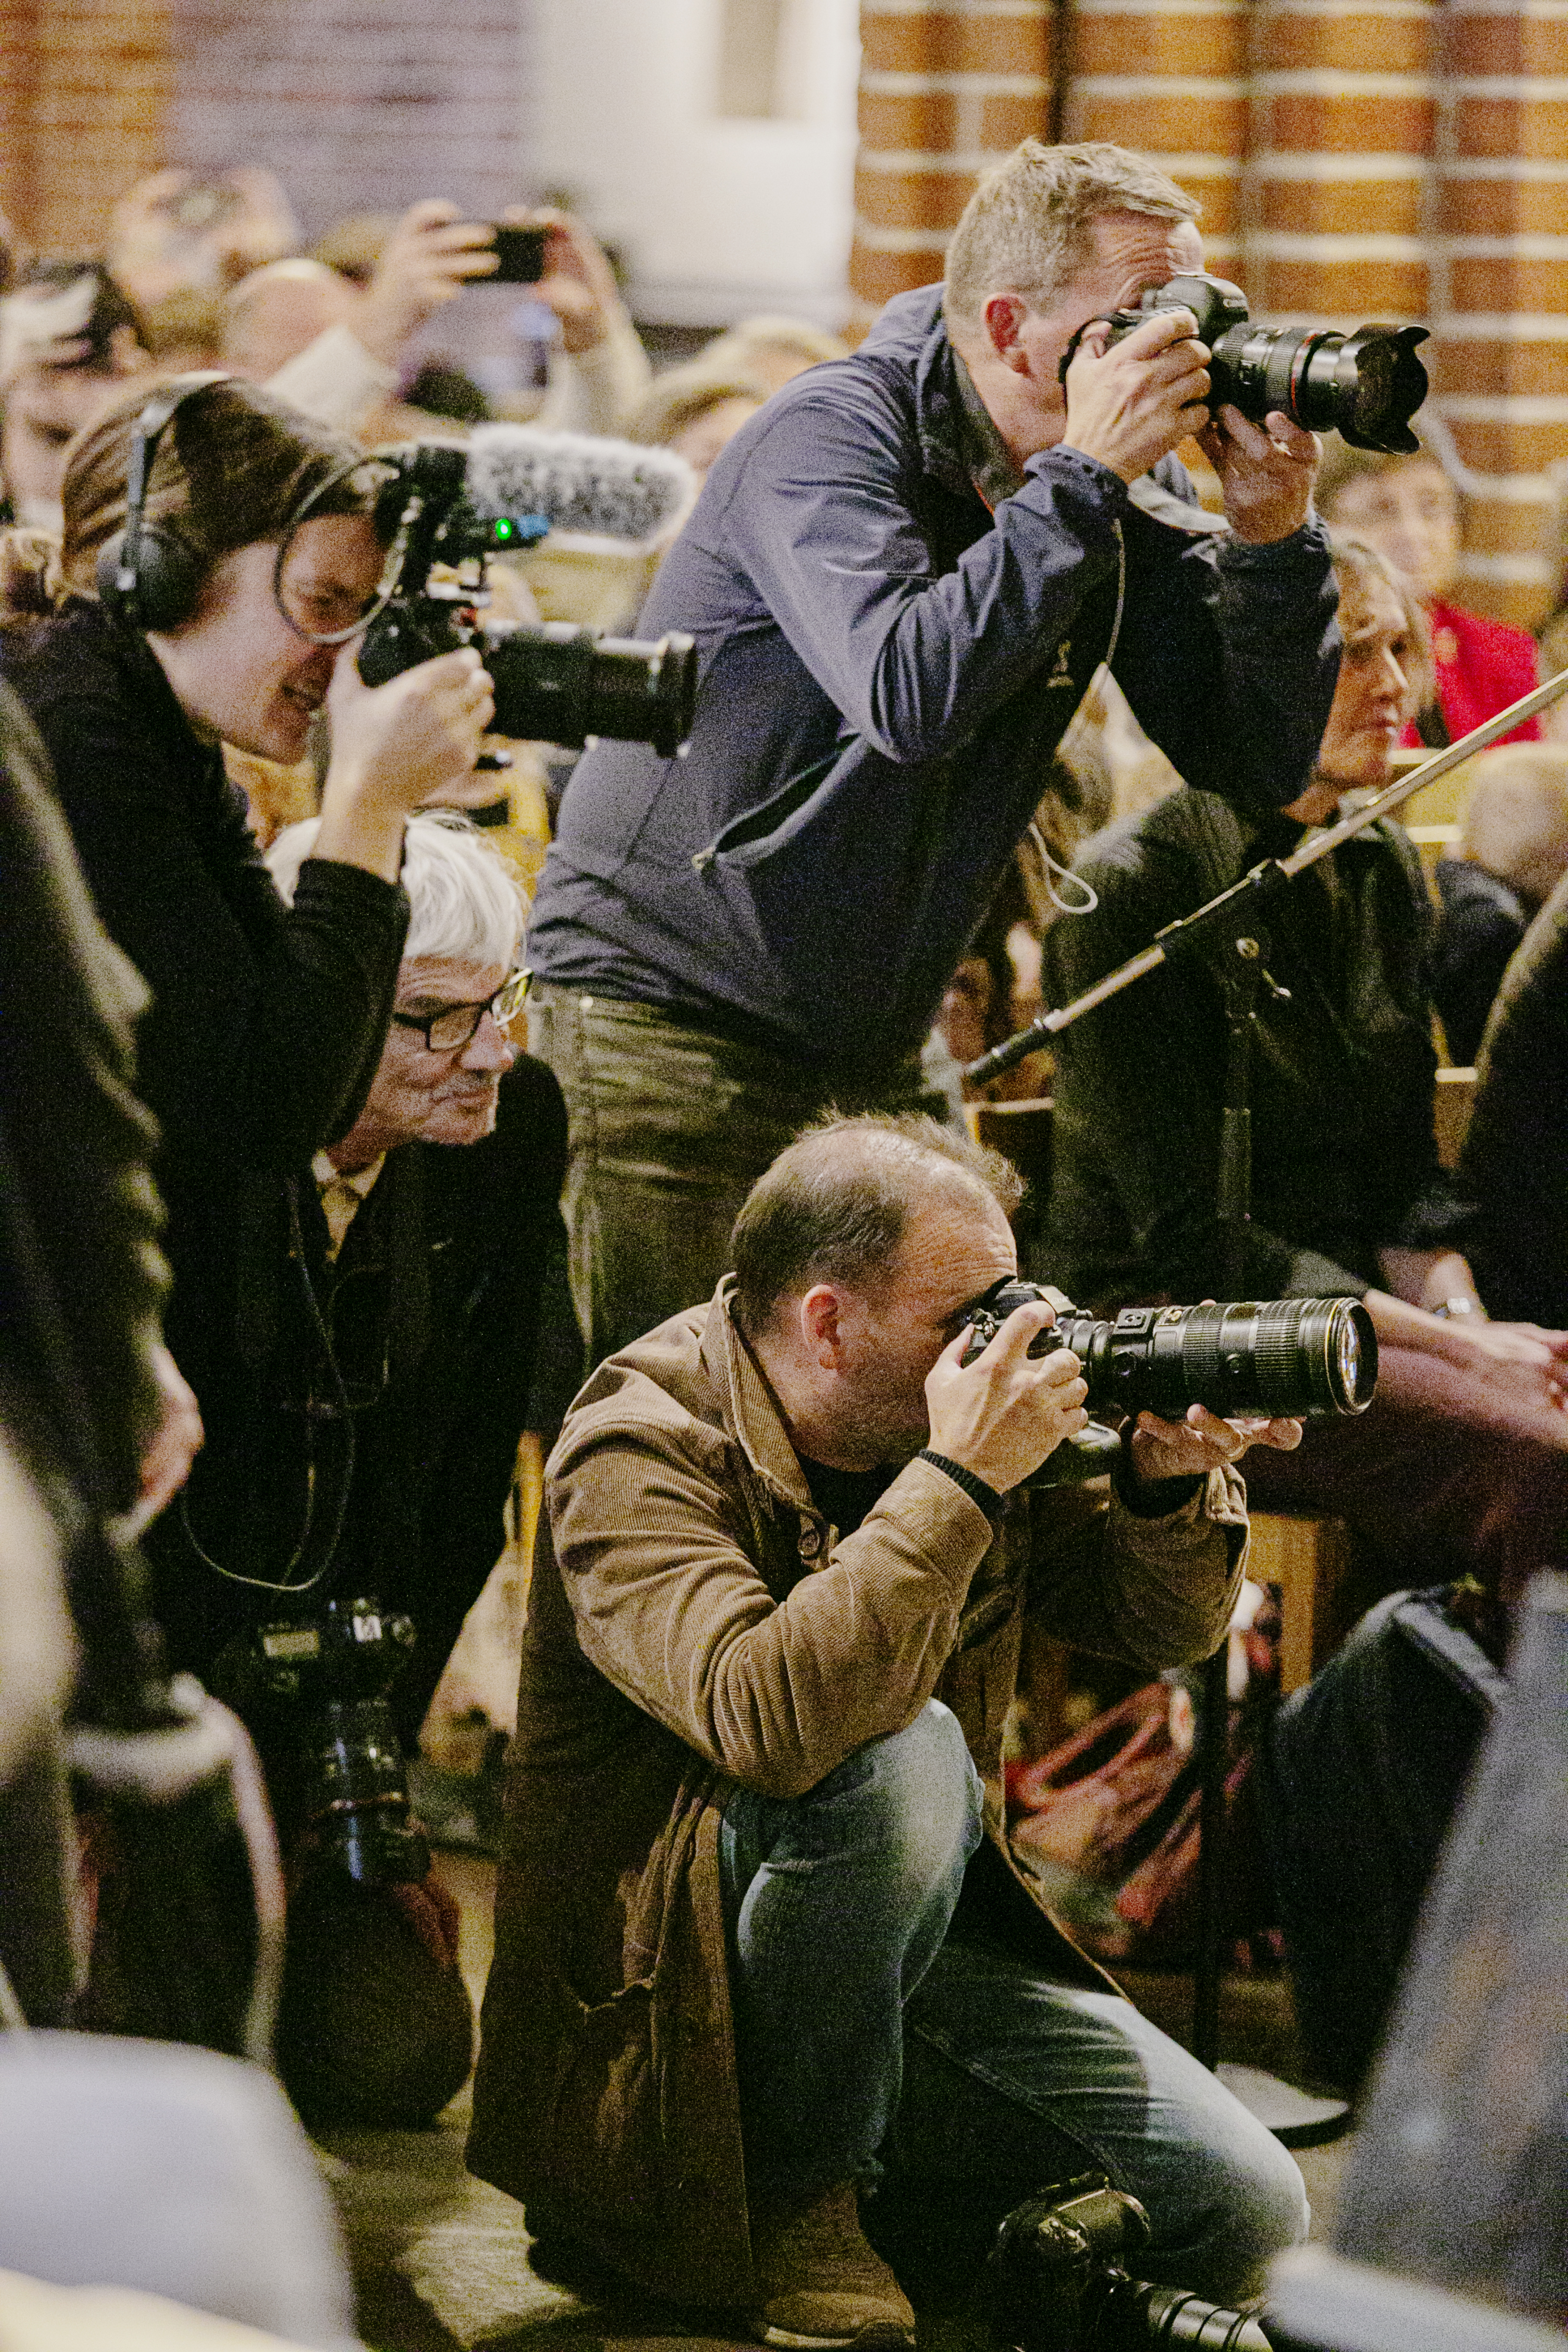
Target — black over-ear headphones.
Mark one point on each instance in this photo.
(147, 575)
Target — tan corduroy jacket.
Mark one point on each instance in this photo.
(674, 1648)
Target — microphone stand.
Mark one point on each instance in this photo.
(1232, 936)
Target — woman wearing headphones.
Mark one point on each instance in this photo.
(187, 610)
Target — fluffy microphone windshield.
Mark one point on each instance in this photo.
(609, 489)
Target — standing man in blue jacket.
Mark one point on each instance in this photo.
(903, 575)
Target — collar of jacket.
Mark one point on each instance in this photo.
(911, 331)
(749, 1407)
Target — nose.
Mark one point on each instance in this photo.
(1395, 683)
(490, 1047)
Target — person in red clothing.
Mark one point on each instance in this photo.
(1409, 511)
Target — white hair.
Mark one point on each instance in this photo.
(466, 904)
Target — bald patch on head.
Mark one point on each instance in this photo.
(835, 1205)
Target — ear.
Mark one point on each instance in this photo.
(1001, 320)
(821, 1312)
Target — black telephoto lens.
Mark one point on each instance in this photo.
(1287, 1359)
(560, 684)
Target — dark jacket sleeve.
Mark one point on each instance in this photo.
(267, 1025)
(823, 522)
(82, 1278)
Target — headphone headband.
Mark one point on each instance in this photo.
(146, 433)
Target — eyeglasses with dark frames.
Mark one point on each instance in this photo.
(455, 1025)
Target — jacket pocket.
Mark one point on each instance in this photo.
(604, 2133)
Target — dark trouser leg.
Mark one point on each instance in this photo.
(1013, 2080)
(836, 1904)
(668, 1130)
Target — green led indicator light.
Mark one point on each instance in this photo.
(505, 528)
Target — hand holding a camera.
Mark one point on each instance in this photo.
(1200, 1441)
(396, 747)
(1004, 1414)
(1267, 472)
(1132, 399)
(430, 257)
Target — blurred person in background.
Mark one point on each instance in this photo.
(772, 349)
(1408, 509)
(695, 412)
(174, 232)
(1513, 851)
(1460, 1464)
(354, 367)
(1514, 1165)
(69, 340)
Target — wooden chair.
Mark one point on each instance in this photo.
(1455, 1100)
(1308, 1561)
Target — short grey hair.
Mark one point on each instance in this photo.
(834, 1205)
(1029, 228)
(466, 904)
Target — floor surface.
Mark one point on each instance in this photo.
(441, 2260)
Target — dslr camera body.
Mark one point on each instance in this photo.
(316, 1690)
(1365, 386)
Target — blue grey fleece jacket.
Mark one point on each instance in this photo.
(885, 669)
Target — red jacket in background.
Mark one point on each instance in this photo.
(1482, 667)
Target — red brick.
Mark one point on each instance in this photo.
(1494, 445)
(1346, 292)
(1006, 118)
(1486, 368)
(1348, 124)
(1341, 207)
(1510, 126)
(1165, 41)
(1367, 42)
(1501, 207)
(875, 277)
(931, 199)
(923, 120)
(938, 43)
(1178, 125)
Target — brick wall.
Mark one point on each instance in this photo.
(84, 94)
(357, 108)
(1392, 159)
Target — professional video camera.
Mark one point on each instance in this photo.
(1295, 1359)
(1366, 386)
(323, 1683)
(448, 510)
(1056, 2285)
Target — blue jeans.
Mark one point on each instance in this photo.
(953, 2080)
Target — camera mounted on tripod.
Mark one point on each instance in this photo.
(1365, 386)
